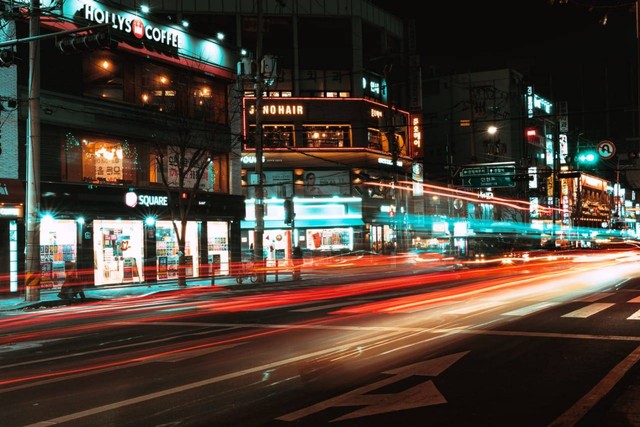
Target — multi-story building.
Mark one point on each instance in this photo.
(103, 115)
(338, 96)
(563, 199)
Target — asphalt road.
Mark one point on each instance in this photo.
(554, 344)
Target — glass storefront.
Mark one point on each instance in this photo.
(167, 250)
(58, 244)
(330, 239)
(118, 251)
(218, 246)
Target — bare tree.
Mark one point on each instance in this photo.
(185, 148)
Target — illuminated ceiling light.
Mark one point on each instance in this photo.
(604, 19)
(144, 8)
(150, 221)
(163, 80)
(185, 23)
(220, 36)
(105, 64)
(145, 98)
(80, 220)
(47, 218)
(243, 52)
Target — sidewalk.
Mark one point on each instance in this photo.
(49, 297)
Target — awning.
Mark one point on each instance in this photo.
(11, 191)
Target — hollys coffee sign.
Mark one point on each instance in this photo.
(125, 22)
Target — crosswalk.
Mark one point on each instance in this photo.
(593, 305)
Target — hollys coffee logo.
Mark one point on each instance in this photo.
(133, 25)
(138, 29)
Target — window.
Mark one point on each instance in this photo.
(100, 160)
(213, 179)
(103, 75)
(273, 136)
(159, 89)
(327, 136)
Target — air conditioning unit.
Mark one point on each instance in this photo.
(245, 68)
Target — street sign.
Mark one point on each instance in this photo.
(606, 149)
(488, 170)
(488, 181)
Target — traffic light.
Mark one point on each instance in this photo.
(86, 43)
(289, 214)
(587, 157)
(7, 57)
(532, 136)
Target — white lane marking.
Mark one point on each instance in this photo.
(595, 297)
(202, 383)
(589, 400)
(530, 309)
(472, 307)
(324, 307)
(589, 310)
(634, 316)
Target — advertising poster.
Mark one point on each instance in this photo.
(173, 169)
(329, 239)
(319, 183)
(275, 184)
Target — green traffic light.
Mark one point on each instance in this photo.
(587, 157)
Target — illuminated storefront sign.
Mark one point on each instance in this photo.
(15, 211)
(530, 102)
(416, 134)
(127, 23)
(593, 182)
(279, 110)
(376, 113)
(162, 38)
(388, 162)
(132, 200)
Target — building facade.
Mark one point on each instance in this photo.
(334, 81)
(106, 115)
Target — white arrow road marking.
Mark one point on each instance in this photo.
(422, 395)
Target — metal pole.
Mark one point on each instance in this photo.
(32, 232)
(638, 67)
(259, 204)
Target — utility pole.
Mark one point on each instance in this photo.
(393, 146)
(32, 232)
(259, 191)
(638, 67)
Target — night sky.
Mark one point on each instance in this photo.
(562, 48)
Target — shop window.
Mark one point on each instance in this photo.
(103, 75)
(100, 161)
(159, 89)
(213, 180)
(167, 250)
(118, 248)
(275, 136)
(332, 136)
(374, 138)
(58, 244)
